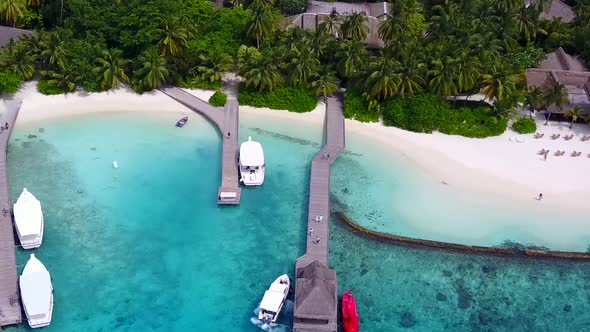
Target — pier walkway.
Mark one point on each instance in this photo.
(226, 119)
(10, 309)
(316, 284)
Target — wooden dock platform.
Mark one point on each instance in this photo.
(10, 307)
(316, 285)
(226, 119)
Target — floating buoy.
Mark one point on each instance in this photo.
(115, 164)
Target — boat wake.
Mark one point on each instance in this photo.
(274, 327)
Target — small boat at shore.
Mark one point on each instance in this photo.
(273, 299)
(182, 122)
(28, 220)
(37, 293)
(251, 163)
(350, 317)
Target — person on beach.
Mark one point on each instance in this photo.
(228, 134)
(310, 232)
(6, 125)
(540, 196)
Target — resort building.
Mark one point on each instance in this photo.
(8, 33)
(559, 9)
(317, 10)
(315, 299)
(560, 67)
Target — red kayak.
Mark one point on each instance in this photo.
(350, 318)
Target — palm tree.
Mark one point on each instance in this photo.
(34, 3)
(331, 23)
(535, 98)
(17, 59)
(388, 29)
(355, 26)
(467, 70)
(411, 75)
(353, 58)
(444, 77)
(12, 10)
(55, 52)
(498, 85)
(264, 75)
(110, 70)
(303, 66)
(383, 78)
(36, 42)
(527, 22)
(154, 70)
(507, 5)
(574, 113)
(262, 22)
(324, 83)
(173, 38)
(64, 78)
(557, 96)
(214, 65)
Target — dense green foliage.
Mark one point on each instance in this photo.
(356, 107)
(524, 126)
(46, 88)
(291, 7)
(426, 113)
(198, 83)
(218, 98)
(293, 99)
(9, 82)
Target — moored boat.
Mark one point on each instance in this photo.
(37, 293)
(251, 163)
(350, 317)
(182, 122)
(28, 220)
(273, 299)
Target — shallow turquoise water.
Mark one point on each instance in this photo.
(146, 248)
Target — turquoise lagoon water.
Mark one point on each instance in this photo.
(146, 248)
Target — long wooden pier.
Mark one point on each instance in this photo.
(316, 284)
(10, 308)
(226, 119)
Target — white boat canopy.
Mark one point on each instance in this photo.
(251, 153)
(28, 216)
(35, 287)
(272, 300)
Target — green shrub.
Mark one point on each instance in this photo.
(425, 113)
(293, 99)
(218, 98)
(356, 107)
(198, 83)
(9, 82)
(525, 126)
(48, 89)
(291, 7)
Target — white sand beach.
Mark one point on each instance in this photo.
(507, 165)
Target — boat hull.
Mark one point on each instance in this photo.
(252, 179)
(350, 318)
(279, 289)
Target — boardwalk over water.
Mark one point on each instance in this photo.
(227, 121)
(316, 285)
(10, 309)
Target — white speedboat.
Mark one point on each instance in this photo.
(273, 299)
(28, 219)
(37, 293)
(251, 163)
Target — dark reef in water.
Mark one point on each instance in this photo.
(407, 320)
(441, 297)
(464, 298)
(31, 136)
(41, 130)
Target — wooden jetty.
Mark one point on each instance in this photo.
(10, 308)
(226, 119)
(316, 284)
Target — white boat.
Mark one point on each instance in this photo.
(28, 219)
(37, 293)
(115, 164)
(251, 163)
(273, 299)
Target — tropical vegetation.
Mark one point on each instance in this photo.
(524, 126)
(434, 50)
